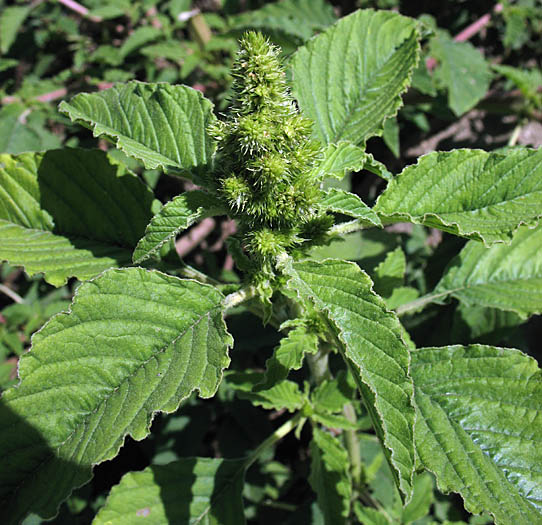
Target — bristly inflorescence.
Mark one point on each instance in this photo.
(265, 158)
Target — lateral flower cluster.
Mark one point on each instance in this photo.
(265, 156)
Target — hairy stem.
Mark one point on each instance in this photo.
(353, 447)
(236, 298)
(276, 436)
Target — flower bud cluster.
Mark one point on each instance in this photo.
(265, 156)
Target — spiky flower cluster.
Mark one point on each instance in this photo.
(265, 155)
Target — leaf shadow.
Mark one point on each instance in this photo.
(31, 473)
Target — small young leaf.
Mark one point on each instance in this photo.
(69, 213)
(472, 193)
(338, 160)
(134, 342)
(175, 216)
(462, 70)
(508, 277)
(285, 394)
(349, 78)
(390, 273)
(191, 490)
(478, 427)
(289, 355)
(330, 477)
(331, 396)
(160, 124)
(370, 337)
(340, 201)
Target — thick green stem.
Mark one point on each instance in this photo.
(276, 436)
(319, 365)
(348, 227)
(236, 298)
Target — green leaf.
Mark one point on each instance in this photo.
(370, 337)
(285, 394)
(141, 36)
(478, 427)
(508, 277)
(390, 135)
(22, 131)
(340, 201)
(174, 217)
(333, 420)
(289, 355)
(69, 213)
(462, 70)
(160, 124)
(528, 81)
(370, 516)
(299, 18)
(338, 160)
(134, 342)
(11, 20)
(330, 477)
(390, 273)
(331, 396)
(422, 499)
(472, 193)
(191, 490)
(349, 78)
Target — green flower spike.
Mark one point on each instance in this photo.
(264, 159)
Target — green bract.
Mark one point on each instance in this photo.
(369, 409)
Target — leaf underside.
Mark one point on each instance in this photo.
(69, 213)
(472, 193)
(133, 343)
(479, 425)
(160, 124)
(340, 201)
(349, 78)
(370, 337)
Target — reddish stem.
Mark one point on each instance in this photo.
(78, 8)
(468, 32)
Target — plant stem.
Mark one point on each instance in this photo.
(347, 227)
(420, 302)
(512, 141)
(236, 298)
(276, 436)
(318, 365)
(11, 294)
(353, 447)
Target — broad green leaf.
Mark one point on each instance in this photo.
(174, 217)
(508, 277)
(284, 394)
(69, 213)
(134, 342)
(401, 295)
(339, 159)
(11, 20)
(333, 420)
(340, 201)
(299, 18)
(422, 499)
(330, 477)
(289, 355)
(160, 124)
(390, 135)
(472, 193)
(21, 131)
(390, 273)
(349, 78)
(370, 337)
(191, 490)
(478, 427)
(462, 70)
